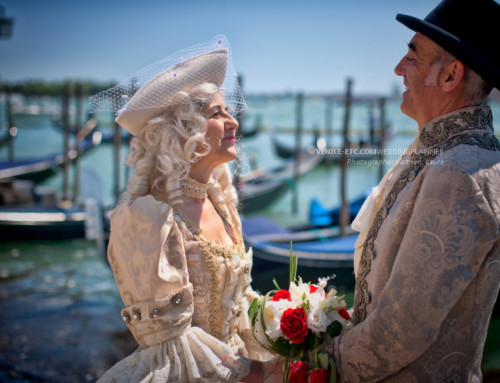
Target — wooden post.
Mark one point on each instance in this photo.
(10, 123)
(77, 127)
(298, 149)
(381, 168)
(66, 125)
(329, 128)
(344, 210)
(329, 121)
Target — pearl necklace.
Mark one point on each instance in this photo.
(194, 189)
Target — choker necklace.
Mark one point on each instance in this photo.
(194, 189)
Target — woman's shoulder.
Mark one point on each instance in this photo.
(142, 209)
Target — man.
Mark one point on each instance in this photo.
(428, 257)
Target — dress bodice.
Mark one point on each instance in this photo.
(220, 275)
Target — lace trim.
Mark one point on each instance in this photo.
(212, 251)
(194, 189)
(419, 161)
(440, 130)
(218, 278)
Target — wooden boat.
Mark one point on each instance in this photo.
(287, 151)
(108, 137)
(258, 189)
(321, 253)
(39, 169)
(360, 151)
(41, 223)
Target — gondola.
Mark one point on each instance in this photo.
(321, 252)
(360, 151)
(258, 189)
(41, 223)
(39, 169)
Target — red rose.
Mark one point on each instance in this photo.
(319, 375)
(282, 294)
(298, 372)
(294, 324)
(344, 314)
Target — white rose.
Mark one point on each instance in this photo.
(272, 317)
(318, 321)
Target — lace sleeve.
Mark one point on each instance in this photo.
(451, 230)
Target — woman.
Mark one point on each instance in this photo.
(176, 248)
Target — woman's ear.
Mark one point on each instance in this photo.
(452, 75)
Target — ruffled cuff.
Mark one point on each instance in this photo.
(194, 356)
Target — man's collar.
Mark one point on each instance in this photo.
(471, 118)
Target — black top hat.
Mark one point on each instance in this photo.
(468, 30)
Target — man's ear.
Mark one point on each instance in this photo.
(452, 75)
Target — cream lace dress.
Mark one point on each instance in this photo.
(186, 298)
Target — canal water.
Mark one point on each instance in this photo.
(59, 305)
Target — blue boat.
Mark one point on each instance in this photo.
(315, 247)
(320, 216)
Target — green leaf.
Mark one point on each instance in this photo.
(324, 360)
(253, 310)
(334, 329)
(276, 284)
(293, 264)
(333, 371)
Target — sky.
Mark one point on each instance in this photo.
(278, 46)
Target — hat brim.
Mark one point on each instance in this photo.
(457, 47)
(154, 97)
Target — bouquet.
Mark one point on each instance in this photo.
(293, 322)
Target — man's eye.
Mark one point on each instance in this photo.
(214, 115)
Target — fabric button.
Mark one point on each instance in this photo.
(126, 317)
(155, 314)
(136, 314)
(177, 299)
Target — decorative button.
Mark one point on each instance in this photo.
(247, 269)
(238, 313)
(372, 253)
(177, 299)
(126, 317)
(155, 313)
(136, 314)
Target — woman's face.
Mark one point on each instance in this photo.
(221, 132)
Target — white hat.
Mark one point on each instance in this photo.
(208, 67)
(147, 92)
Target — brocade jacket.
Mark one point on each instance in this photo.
(429, 260)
